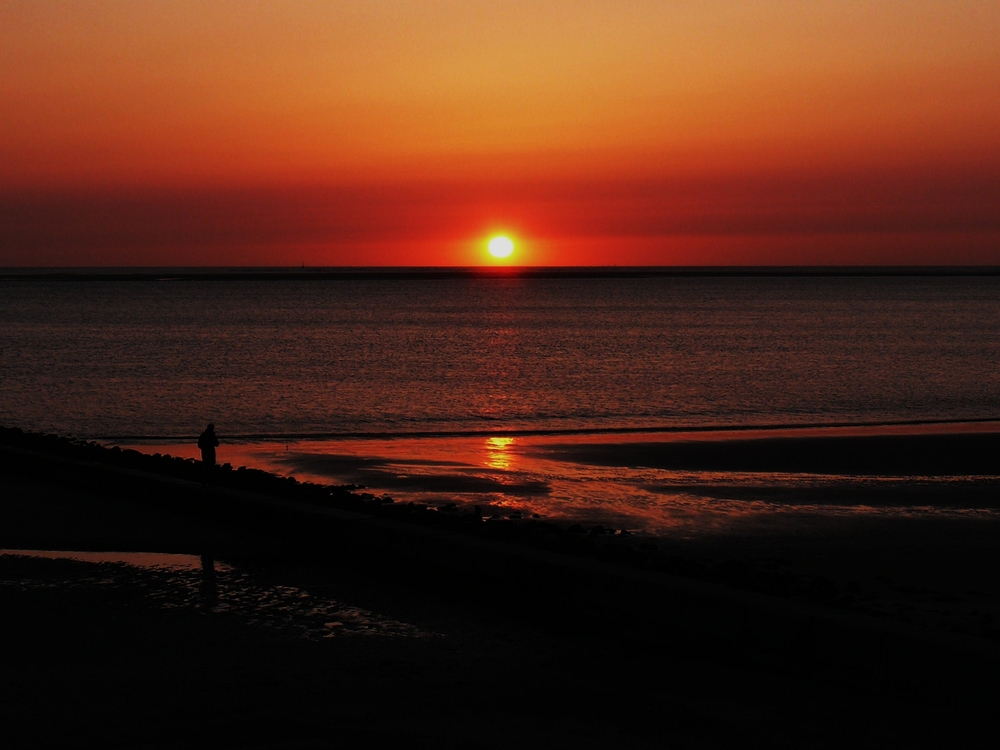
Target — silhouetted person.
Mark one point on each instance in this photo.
(208, 442)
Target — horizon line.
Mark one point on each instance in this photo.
(347, 273)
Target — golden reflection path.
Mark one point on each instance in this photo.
(498, 453)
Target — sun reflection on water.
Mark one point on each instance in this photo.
(498, 454)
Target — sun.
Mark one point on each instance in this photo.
(500, 246)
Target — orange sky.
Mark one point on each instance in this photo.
(366, 132)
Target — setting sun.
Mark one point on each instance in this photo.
(501, 247)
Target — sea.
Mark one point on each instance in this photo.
(465, 388)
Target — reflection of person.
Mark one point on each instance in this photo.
(208, 442)
(209, 588)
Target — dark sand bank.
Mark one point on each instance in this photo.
(533, 648)
(384, 473)
(105, 665)
(98, 668)
(875, 455)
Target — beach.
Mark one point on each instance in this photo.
(547, 651)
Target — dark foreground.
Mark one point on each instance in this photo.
(586, 658)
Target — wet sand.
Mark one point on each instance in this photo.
(104, 665)
(903, 454)
(550, 668)
(669, 484)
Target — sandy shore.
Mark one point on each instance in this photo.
(520, 664)
(901, 454)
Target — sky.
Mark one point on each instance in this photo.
(408, 132)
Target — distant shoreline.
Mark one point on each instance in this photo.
(970, 424)
(486, 272)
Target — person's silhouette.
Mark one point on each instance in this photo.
(208, 442)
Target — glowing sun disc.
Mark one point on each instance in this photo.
(501, 247)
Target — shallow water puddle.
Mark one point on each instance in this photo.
(172, 581)
(145, 560)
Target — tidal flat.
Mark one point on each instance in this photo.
(858, 634)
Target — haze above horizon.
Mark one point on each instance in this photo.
(409, 133)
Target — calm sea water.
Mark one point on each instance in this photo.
(403, 384)
(285, 358)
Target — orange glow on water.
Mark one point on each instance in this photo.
(498, 452)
